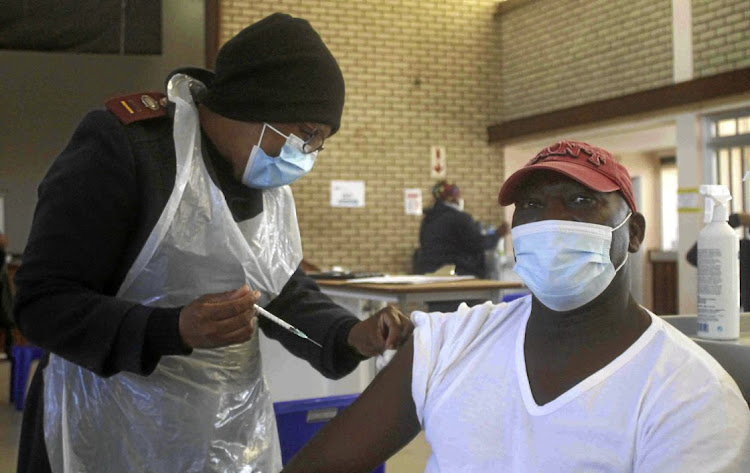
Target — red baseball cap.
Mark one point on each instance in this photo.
(593, 167)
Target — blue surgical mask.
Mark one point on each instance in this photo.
(263, 171)
(564, 264)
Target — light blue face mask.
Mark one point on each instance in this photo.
(263, 171)
(565, 264)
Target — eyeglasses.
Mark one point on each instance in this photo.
(315, 141)
(312, 144)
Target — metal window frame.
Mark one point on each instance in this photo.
(714, 145)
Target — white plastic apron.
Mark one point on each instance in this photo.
(207, 412)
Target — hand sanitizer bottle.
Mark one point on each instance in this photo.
(718, 269)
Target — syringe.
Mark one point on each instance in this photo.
(286, 325)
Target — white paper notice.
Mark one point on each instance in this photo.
(408, 279)
(413, 201)
(347, 193)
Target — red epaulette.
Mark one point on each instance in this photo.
(137, 107)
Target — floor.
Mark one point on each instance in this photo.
(410, 459)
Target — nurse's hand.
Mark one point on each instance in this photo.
(218, 320)
(385, 330)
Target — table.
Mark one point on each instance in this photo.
(420, 293)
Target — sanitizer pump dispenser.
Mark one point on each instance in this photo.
(718, 269)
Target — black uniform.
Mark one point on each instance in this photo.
(97, 206)
(450, 236)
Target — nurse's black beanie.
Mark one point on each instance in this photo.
(277, 70)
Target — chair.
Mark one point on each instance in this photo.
(22, 356)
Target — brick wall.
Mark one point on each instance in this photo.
(560, 53)
(418, 74)
(422, 73)
(721, 36)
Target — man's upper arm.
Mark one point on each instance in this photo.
(377, 425)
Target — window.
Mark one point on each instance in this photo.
(728, 146)
(727, 137)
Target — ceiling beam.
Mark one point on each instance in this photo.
(683, 93)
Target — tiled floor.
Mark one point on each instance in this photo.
(411, 459)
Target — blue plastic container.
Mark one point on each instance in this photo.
(513, 296)
(22, 355)
(298, 421)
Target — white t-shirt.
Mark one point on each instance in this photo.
(663, 405)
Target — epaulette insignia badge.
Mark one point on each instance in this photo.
(137, 107)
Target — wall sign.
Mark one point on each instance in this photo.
(438, 162)
(413, 201)
(347, 193)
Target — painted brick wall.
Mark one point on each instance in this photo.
(560, 53)
(418, 73)
(422, 73)
(721, 36)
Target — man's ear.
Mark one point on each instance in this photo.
(637, 228)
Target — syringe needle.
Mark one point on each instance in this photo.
(284, 324)
(301, 334)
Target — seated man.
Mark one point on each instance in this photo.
(450, 236)
(576, 377)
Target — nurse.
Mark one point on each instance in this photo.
(157, 230)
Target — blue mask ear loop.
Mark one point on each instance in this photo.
(623, 222)
(262, 131)
(288, 137)
(626, 253)
(274, 129)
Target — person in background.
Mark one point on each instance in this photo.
(450, 236)
(575, 377)
(157, 230)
